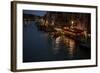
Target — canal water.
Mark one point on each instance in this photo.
(40, 46)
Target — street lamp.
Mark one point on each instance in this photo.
(72, 22)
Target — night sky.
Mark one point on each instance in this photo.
(35, 12)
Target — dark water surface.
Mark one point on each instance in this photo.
(39, 46)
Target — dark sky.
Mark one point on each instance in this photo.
(35, 12)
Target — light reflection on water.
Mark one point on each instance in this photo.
(69, 44)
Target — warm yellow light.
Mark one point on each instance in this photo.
(72, 22)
